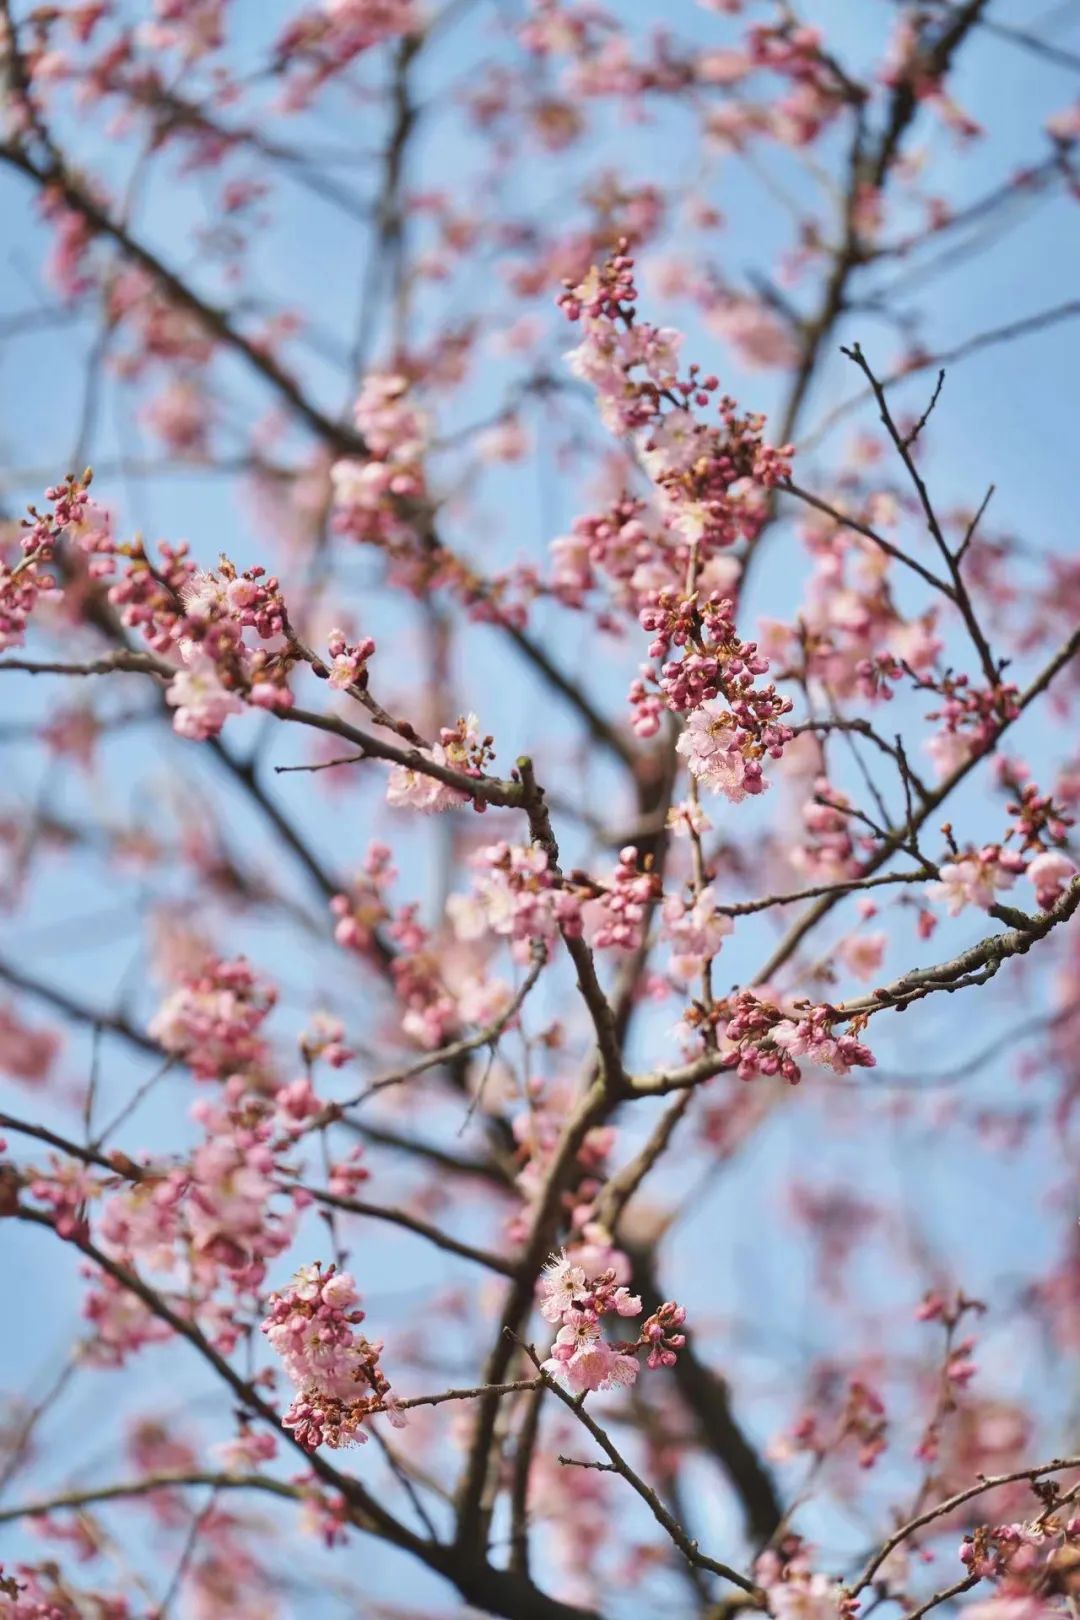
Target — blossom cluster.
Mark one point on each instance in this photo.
(795, 1590)
(710, 485)
(339, 1383)
(214, 1018)
(200, 619)
(827, 853)
(581, 1357)
(695, 931)
(860, 1422)
(971, 717)
(1034, 1565)
(851, 633)
(516, 895)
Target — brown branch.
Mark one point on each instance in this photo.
(413, 1223)
(747, 908)
(124, 1490)
(899, 838)
(603, 1019)
(964, 969)
(116, 1164)
(112, 1023)
(689, 1549)
(498, 1174)
(946, 357)
(621, 1187)
(492, 790)
(963, 1585)
(59, 178)
(957, 590)
(869, 165)
(339, 435)
(527, 1437)
(369, 1513)
(589, 1111)
(848, 522)
(977, 965)
(707, 1397)
(19, 1445)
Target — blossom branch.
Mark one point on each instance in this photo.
(899, 838)
(1057, 1465)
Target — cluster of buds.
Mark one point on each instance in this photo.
(877, 676)
(661, 1334)
(430, 1013)
(701, 471)
(957, 1368)
(1037, 820)
(827, 854)
(618, 543)
(1030, 1564)
(323, 40)
(971, 718)
(202, 617)
(23, 582)
(711, 485)
(617, 918)
(759, 1038)
(710, 480)
(215, 1216)
(861, 1420)
(733, 723)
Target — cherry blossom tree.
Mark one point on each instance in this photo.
(523, 658)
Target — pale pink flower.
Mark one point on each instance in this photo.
(695, 932)
(862, 954)
(714, 757)
(972, 880)
(561, 1282)
(201, 701)
(1051, 873)
(409, 789)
